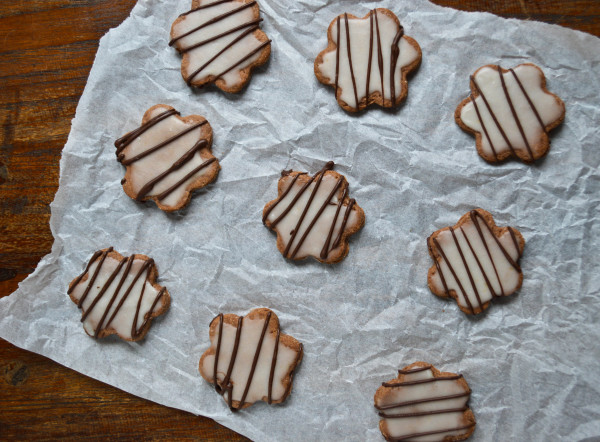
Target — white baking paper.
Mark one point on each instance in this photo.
(531, 360)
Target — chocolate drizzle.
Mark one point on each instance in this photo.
(226, 386)
(394, 51)
(188, 156)
(434, 245)
(428, 411)
(252, 26)
(513, 111)
(328, 245)
(100, 257)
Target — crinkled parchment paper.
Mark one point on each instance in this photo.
(531, 360)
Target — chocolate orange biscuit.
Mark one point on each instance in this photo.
(119, 295)
(364, 74)
(423, 403)
(221, 43)
(475, 261)
(313, 216)
(510, 112)
(249, 359)
(167, 158)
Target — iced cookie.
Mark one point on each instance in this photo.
(510, 112)
(367, 60)
(249, 359)
(313, 216)
(475, 261)
(119, 295)
(424, 404)
(221, 43)
(167, 158)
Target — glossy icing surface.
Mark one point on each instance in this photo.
(369, 56)
(475, 263)
(167, 158)
(420, 406)
(117, 295)
(219, 39)
(511, 111)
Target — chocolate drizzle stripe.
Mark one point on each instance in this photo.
(149, 314)
(379, 56)
(502, 249)
(337, 241)
(283, 195)
(114, 296)
(218, 54)
(349, 50)
(226, 386)
(481, 269)
(246, 57)
(466, 266)
(145, 266)
(181, 161)
(414, 370)
(493, 115)
(475, 221)
(221, 35)
(395, 53)
(428, 433)
(423, 413)
(273, 364)
(421, 401)
(94, 276)
(337, 57)
(437, 245)
(217, 353)
(437, 266)
(422, 381)
(316, 217)
(514, 112)
(126, 139)
(325, 250)
(105, 287)
(514, 238)
(213, 20)
(255, 360)
(370, 54)
(483, 125)
(87, 268)
(533, 108)
(328, 166)
(220, 2)
(190, 174)
(127, 162)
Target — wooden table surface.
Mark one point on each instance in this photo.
(47, 50)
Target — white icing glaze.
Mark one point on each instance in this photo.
(147, 168)
(548, 108)
(453, 421)
(123, 321)
(501, 274)
(230, 59)
(360, 30)
(249, 340)
(318, 234)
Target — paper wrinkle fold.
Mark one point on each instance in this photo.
(531, 359)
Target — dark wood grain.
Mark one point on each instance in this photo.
(46, 52)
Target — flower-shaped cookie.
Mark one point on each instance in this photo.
(423, 403)
(119, 295)
(510, 112)
(367, 60)
(249, 359)
(167, 158)
(475, 261)
(313, 216)
(221, 43)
